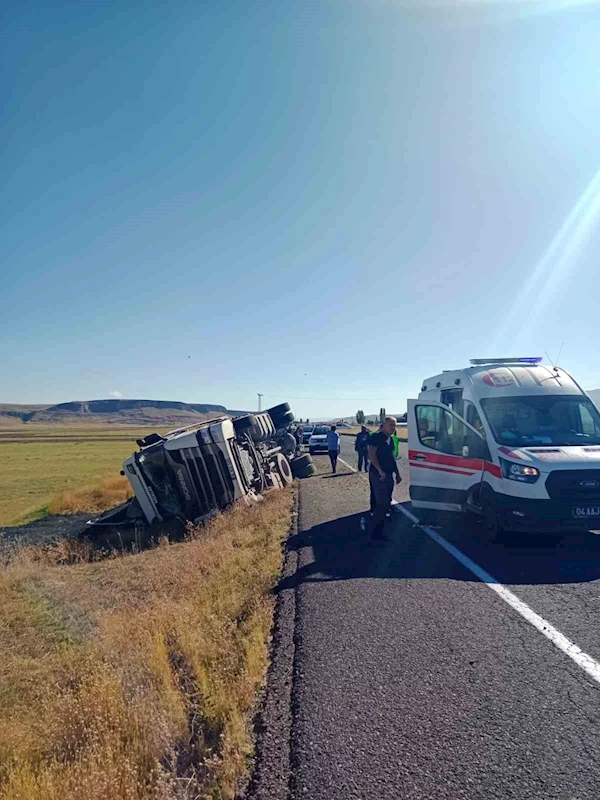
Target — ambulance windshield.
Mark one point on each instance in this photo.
(533, 421)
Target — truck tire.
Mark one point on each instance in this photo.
(283, 419)
(277, 411)
(284, 469)
(303, 466)
(244, 424)
(307, 472)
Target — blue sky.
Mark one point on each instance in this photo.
(321, 201)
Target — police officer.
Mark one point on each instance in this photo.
(382, 472)
(361, 445)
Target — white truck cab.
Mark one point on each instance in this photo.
(510, 439)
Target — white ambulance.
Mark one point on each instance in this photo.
(510, 439)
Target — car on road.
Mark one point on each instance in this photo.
(306, 433)
(318, 439)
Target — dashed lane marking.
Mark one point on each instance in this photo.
(569, 648)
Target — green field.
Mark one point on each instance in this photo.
(39, 462)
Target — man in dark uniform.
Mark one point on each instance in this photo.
(382, 472)
(361, 445)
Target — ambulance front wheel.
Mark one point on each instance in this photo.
(494, 530)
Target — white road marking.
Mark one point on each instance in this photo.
(346, 464)
(569, 648)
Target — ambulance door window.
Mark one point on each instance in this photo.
(453, 399)
(440, 430)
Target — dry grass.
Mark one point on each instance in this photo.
(109, 493)
(134, 677)
(39, 462)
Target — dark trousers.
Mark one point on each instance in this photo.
(333, 456)
(381, 500)
(363, 461)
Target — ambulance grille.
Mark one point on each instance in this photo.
(574, 484)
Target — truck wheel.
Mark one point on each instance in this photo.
(282, 420)
(244, 424)
(284, 469)
(303, 467)
(300, 464)
(307, 472)
(277, 411)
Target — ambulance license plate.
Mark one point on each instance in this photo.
(586, 512)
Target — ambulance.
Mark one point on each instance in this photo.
(509, 439)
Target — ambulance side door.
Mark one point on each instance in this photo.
(446, 456)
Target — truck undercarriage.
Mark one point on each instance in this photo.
(191, 473)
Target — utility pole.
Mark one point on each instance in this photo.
(260, 397)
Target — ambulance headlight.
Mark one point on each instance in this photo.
(519, 472)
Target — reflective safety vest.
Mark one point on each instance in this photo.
(396, 442)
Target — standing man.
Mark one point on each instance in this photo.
(381, 475)
(333, 447)
(361, 445)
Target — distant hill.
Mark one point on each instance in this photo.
(124, 412)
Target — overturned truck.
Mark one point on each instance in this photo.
(192, 472)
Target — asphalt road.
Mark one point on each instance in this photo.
(409, 677)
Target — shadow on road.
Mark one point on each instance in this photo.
(342, 551)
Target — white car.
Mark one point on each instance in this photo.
(307, 433)
(318, 439)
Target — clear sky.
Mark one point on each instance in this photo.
(323, 201)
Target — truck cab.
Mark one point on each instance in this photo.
(510, 439)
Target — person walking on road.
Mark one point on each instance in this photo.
(382, 472)
(361, 445)
(333, 447)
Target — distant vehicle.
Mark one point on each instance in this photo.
(307, 431)
(318, 439)
(511, 440)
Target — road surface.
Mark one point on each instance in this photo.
(398, 673)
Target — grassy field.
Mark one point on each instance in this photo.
(134, 677)
(39, 463)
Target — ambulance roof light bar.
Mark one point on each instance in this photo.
(530, 360)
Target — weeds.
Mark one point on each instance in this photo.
(109, 493)
(134, 677)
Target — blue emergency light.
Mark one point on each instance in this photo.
(478, 362)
